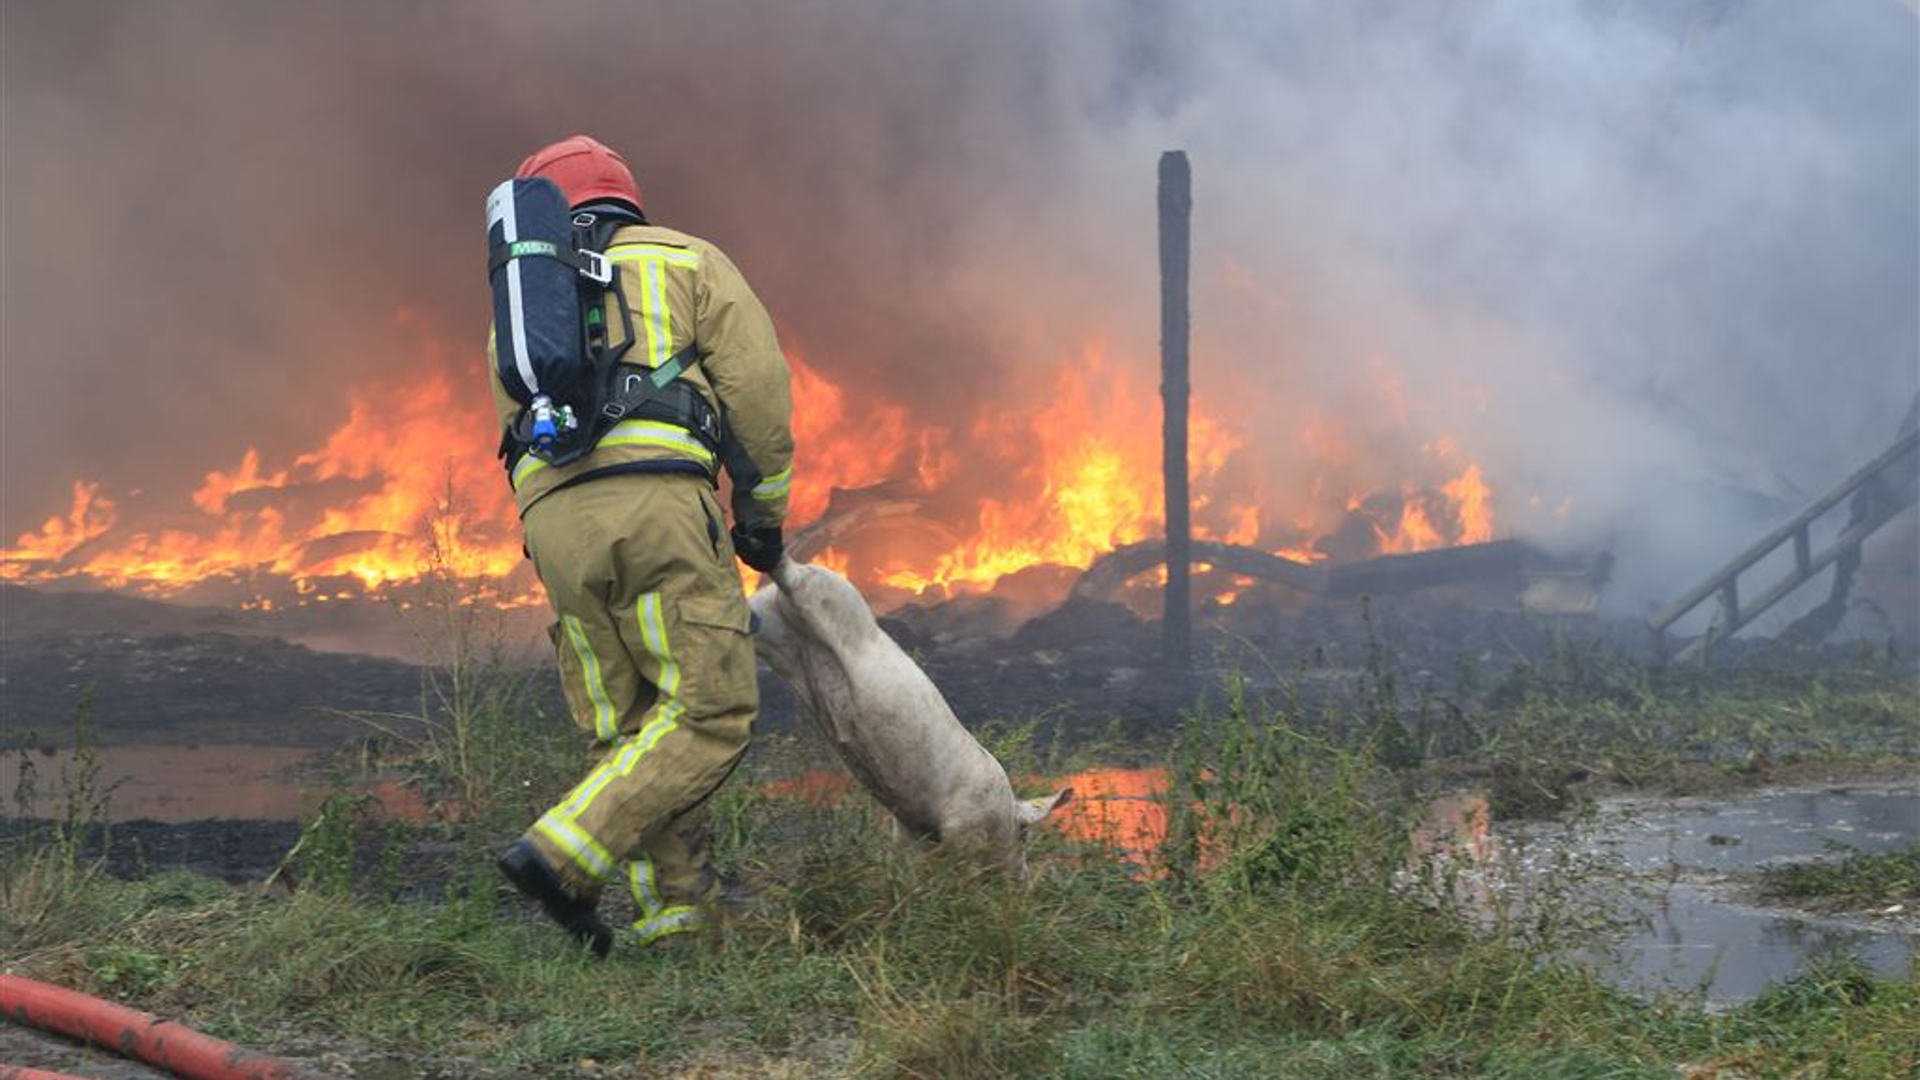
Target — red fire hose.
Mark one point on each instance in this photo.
(161, 1043)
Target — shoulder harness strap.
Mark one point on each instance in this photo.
(615, 391)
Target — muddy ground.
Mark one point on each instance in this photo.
(29, 1048)
(1088, 670)
(155, 674)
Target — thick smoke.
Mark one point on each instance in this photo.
(1656, 259)
(1654, 264)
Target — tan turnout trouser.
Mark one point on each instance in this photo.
(657, 666)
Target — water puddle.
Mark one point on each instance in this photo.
(1673, 877)
(1122, 809)
(1693, 941)
(1680, 873)
(194, 783)
(1759, 830)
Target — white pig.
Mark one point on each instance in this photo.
(886, 718)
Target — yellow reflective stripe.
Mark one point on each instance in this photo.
(653, 631)
(656, 315)
(620, 764)
(604, 726)
(656, 433)
(673, 920)
(774, 486)
(584, 850)
(525, 467)
(631, 433)
(667, 253)
(645, 892)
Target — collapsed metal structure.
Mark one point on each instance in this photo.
(1877, 492)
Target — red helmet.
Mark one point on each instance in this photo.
(585, 169)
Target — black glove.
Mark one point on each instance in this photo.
(759, 547)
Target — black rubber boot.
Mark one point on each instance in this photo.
(523, 865)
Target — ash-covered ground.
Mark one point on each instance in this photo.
(150, 673)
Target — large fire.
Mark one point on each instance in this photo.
(383, 498)
(406, 483)
(1089, 483)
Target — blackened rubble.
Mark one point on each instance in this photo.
(1086, 660)
(182, 687)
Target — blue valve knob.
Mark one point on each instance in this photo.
(544, 429)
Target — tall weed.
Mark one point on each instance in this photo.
(51, 864)
(480, 746)
(1255, 802)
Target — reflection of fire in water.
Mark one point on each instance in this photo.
(1124, 811)
(1120, 809)
(1056, 483)
(217, 780)
(817, 788)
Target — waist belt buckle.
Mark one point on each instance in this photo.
(595, 267)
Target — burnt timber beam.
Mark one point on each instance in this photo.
(1393, 574)
(1112, 570)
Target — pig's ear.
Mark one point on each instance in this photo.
(1033, 811)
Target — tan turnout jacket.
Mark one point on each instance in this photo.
(680, 289)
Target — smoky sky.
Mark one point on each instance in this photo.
(214, 210)
(1655, 263)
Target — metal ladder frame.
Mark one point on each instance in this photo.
(1725, 582)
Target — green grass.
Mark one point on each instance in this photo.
(1274, 935)
(1546, 737)
(1860, 879)
(868, 963)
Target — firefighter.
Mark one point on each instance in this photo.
(652, 631)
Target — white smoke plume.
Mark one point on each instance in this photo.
(1655, 264)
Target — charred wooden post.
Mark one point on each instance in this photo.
(1176, 211)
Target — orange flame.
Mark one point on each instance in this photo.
(834, 560)
(1470, 492)
(89, 518)
(834, 448)
(1091, 481)
(1461, 512)
(1306, 553)
(368, 504)
(1121, 809)
(1067, 479)
(1415, 531)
